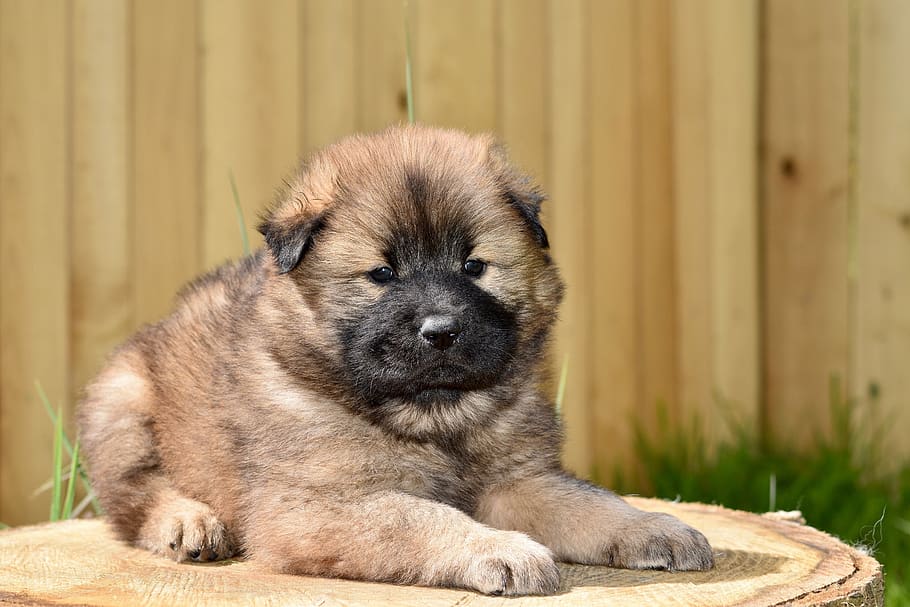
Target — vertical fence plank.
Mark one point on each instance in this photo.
(34, 195)
(695, 228)
(455, 79)
(165, 153)
(330, 56)
(382, 96)
(656, 276)
(567, 182)
(804, 218)
(733, 32)
(882, 334)
(250, 113)
(100, 263)
(522, 93)
(613, 236)
(715, 160)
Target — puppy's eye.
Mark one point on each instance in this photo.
(381, 275)
(474, 267)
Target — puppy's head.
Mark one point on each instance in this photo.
(418, 257)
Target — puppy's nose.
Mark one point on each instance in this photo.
(440, 331)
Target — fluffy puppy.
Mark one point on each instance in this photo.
(362, 398)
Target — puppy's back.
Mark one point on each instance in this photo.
(151, 418)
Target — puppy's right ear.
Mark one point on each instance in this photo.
(288, 239)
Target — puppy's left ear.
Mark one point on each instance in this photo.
(527, 198)
(289, 239)
(520, 192)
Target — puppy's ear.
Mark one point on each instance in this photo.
(299, 211)
(288, 241)
(520, 192)
(290, 238)
(527, 198)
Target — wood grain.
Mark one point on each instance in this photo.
(760, 562)
(455, 76)
(101, 255)
(382, 96)
(734, 92)
(34, 245)
(881, 259)
(613, 236)
(716, 225)
(804, 174)
(693, 122)
(522, 85)
(165, 137)
(656, 287)
(250, 114)
(329, 86)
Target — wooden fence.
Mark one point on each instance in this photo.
(729, 183)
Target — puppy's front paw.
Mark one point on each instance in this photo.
(183, 529)
(659, 541)
(509, 563)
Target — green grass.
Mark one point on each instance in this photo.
(561, 388)
(63, 498)
(839, 481)
(62, 484)
(62, 503)
(58, 468)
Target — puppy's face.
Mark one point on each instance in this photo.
(424, 266)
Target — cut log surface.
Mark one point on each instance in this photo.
(761, 560)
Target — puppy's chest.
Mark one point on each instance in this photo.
(456, 479)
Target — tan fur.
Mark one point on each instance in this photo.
(231, 425)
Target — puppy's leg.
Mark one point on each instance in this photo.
(399, 538)
(119, 445)
(181, 528)
(582, 523)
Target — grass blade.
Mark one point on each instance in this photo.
(96, 505)
(49, 409)
(83, 477)
(58, 467)
(239, 210)
(80, 508)
(561, 390)
(408, 81)
(772, 493)
(48, 485)
(71, 484)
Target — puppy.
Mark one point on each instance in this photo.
(362, 398)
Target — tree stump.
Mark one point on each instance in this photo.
(760, 561)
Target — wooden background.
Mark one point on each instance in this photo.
(729, 181)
